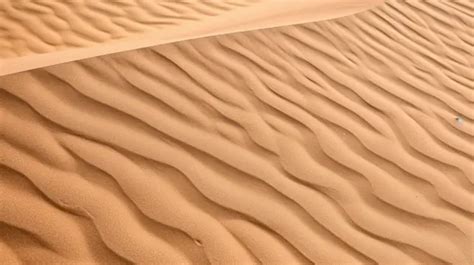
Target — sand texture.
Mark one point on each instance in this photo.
(343, 141)
(38, 33)
(45, 26)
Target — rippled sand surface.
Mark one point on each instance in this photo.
(342, 141)
(39, 33)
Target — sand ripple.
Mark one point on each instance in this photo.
(44, 26)
(347, 141)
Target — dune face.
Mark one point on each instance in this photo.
(45, 26)
(346, 141)
(36, 34)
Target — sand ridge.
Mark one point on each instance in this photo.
(347, 141)
(36, 34)
(31, 27)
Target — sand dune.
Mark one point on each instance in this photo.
(46, 26)
(344, 141)
(36, 34)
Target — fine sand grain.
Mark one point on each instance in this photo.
(346, 141)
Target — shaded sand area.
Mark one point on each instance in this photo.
(38, 33)
(348, 141)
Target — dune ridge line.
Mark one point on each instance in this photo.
(346, 141)
(39, 34)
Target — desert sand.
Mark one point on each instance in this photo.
(38, 33)
(342, 141)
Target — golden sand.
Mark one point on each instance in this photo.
(341, 141)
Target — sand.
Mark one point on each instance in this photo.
(343, 141)
(38, 33)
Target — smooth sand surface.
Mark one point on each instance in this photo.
(40, 33)
(347, 141)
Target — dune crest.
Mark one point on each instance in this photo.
(36, 34)
(347, 141)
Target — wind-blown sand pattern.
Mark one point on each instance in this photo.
(348, 141)
(45, 26)
(38, 33)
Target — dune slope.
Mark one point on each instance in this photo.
(36, 34)
(348, 141)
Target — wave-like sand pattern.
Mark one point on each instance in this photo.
(347, 141)
(45, 26)
(35, 34)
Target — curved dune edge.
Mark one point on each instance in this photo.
(258, 14)
(349, 141)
